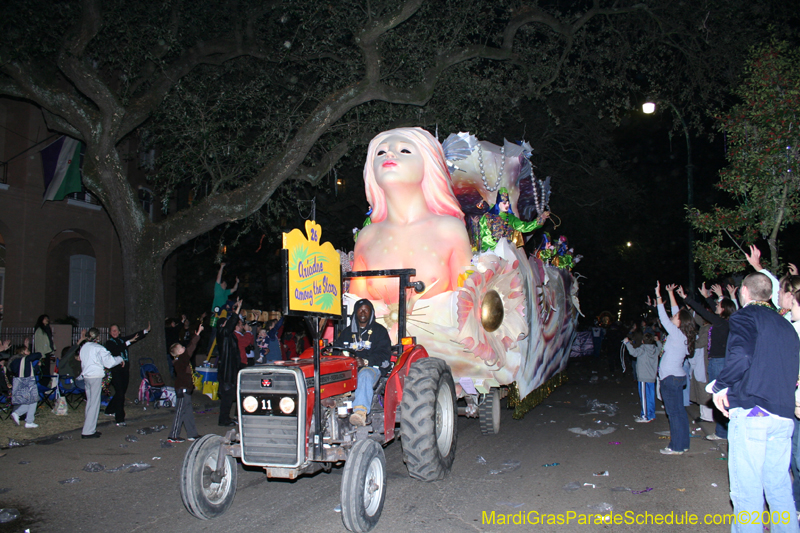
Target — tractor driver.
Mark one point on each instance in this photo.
(370, 344)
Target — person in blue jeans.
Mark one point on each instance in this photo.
(756, 390)
(369, 342)
(681, 337)
(717, 342)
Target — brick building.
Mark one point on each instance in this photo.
(58, 257)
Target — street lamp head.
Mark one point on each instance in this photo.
(648, 108)
(629, 244)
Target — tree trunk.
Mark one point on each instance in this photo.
(772, 239)
(143, 257)
(144, 302)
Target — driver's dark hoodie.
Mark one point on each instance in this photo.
(380, 350)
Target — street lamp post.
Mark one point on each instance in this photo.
(649, 108)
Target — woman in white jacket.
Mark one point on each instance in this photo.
(94, 360)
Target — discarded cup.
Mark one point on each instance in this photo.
(590, 485)
(601, 474)
(132, 438)
(70, 481)
(480, 460)
(551, 464)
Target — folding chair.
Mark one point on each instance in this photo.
(70, 390)
(47, 394)
(5, 406)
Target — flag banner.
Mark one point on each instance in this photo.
(61, 165)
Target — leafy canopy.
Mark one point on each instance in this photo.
(763, 139)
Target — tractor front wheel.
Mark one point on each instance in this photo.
(204, 495)
(427, 419)
(363, 486)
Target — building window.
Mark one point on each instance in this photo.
(146, 199)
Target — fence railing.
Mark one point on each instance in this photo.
(18, 335)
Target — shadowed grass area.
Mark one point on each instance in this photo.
(50, 424)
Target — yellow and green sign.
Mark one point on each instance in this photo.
(313, 272)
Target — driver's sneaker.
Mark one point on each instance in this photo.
(31, 425)
(15, 418)
(358, 418)
(176, 440)
(642, 420)
(714, 436)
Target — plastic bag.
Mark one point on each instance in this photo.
(61, 408)
(93, 467)
(8, 515)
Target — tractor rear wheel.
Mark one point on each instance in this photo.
(203, 496)
(363, 486)
(427, 420)
(489, 413)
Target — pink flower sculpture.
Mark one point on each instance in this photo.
(493, 277)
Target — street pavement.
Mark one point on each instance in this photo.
(505, 474)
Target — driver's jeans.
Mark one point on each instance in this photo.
(367, 377)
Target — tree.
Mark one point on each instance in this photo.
(763, 140)
(241, 97)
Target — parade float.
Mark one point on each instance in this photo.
(502, 319)
(471, 317)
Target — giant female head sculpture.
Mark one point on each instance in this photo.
(435, 181)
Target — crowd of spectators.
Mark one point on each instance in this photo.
(736, 353)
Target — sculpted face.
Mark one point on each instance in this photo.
(398, 160)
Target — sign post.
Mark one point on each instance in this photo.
(313, 289)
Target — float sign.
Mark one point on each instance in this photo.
(313, 274)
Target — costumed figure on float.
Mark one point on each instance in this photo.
(495, 315)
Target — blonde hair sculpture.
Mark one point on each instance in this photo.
(436, 185)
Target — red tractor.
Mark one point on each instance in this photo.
(289, 430)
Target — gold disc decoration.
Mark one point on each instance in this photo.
(491, 311)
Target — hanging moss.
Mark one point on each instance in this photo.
(536, 396)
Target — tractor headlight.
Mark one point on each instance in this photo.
(250, 404)
(286, 405)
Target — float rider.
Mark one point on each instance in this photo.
(501, 222)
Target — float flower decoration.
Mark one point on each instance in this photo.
(491, 309)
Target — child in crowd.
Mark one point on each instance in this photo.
(262, 342)
(184, 386)
(646, 368)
